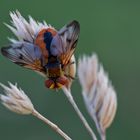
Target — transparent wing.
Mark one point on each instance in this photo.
(64, 43)
(25, 54)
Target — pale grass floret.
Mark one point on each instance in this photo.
(23, 29)
(17, 101)
(98, 93)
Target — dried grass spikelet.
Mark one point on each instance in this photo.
(16, 100)
(98, 93)
(23, 29)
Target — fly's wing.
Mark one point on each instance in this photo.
(64, 43)
(25, 54)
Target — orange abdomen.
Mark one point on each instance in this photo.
(39, 41)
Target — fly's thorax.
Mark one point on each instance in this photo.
(54, 72)
(53, 67)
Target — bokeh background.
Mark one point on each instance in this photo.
(111, 28)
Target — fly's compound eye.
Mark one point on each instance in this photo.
(50, 84)
(61, 81)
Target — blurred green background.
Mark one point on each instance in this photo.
(111, 28)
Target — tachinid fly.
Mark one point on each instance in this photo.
(50, 53)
